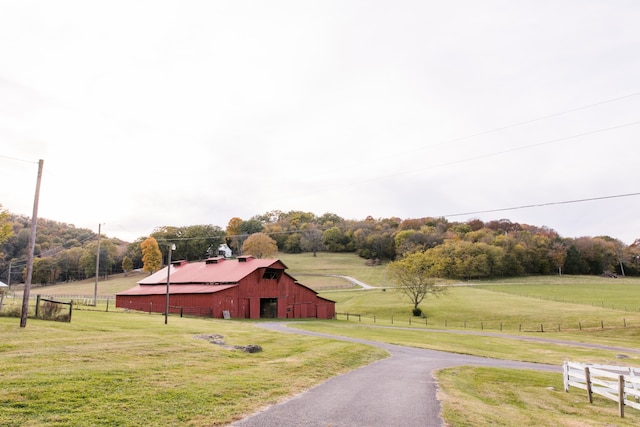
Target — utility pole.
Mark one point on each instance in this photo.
(32, 246)
(95, 288)
(166, 309)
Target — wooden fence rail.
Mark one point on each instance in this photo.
(617, 383)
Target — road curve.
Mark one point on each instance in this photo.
(397, 391)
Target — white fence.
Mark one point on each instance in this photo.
(617, 383)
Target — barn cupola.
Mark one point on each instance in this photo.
(179, 263)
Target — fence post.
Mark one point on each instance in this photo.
(70, 310)
(107, 305)
(37, 304)
(621, 395)
(409, 321)
(587, 379)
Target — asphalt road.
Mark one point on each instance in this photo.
(397, 391)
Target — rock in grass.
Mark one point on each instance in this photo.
(218, 340)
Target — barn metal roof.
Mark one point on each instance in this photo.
(211, 271)
(178, 289)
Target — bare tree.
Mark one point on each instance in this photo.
(312, 240)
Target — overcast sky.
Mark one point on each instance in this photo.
(193, 112)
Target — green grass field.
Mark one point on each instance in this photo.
(129, 369)
(117, 368)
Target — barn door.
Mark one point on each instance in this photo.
(268, 308)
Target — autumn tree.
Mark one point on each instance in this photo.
(6, 230)
(234, 240)
(151, 255)
(558, 254)
(260, 245)
(414, 276)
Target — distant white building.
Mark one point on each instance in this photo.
(225, 251)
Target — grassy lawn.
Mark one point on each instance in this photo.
(483, 309)
(117, 368)
(129, 369)
(619, 294)
(506, 397)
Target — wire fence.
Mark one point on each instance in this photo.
(481, 325)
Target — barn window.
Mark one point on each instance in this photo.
(271, 274)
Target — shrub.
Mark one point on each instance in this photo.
(11, 311)
(49, 310)
(417, 312)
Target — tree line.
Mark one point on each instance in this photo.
(459, 250)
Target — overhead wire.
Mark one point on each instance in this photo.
(537, 205)
(17, 159)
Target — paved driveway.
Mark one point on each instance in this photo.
(397, 391)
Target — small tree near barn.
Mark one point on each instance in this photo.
(260, 246)
(151, 255)
(413, 276)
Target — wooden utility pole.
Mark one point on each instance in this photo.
(32, 245)
(95, 288)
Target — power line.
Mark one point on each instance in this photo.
(17, 159)
(548, 116)
(564, 202)
(483, 156)
(526, 147)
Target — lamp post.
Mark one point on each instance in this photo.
(166, 309)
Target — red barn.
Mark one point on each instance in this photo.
(245, 288)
